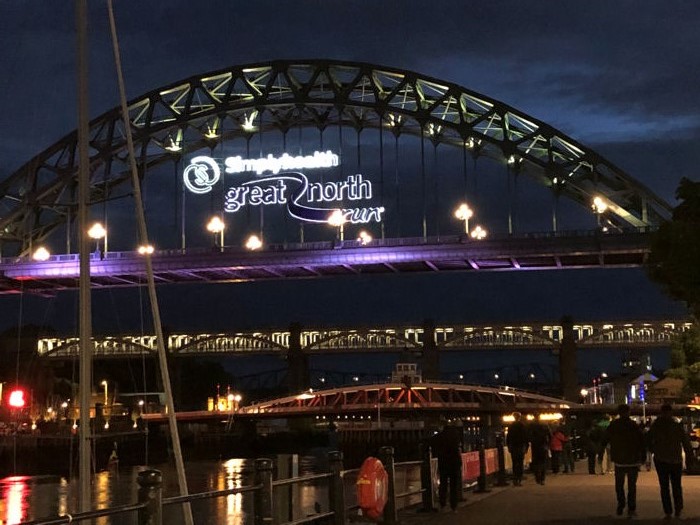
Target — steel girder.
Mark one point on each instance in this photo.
(244, 100)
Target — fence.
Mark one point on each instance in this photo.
(411, 483)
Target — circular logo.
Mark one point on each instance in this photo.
(201, 174)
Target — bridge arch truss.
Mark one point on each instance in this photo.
(243, 101)
(394, 398)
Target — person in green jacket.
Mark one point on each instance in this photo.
(667, 441)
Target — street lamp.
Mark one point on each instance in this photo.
(216, 226)
(464, 213)
(337, 219)
(253, 243)
(599, 206)
(364, 238)
(584, 394)
(97, 232)
(41, 254)
(478, 233)
(104, 384)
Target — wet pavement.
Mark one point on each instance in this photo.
(565, 499)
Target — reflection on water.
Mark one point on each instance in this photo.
(13, 495)
(26, 498)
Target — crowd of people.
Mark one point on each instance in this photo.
(621, 442)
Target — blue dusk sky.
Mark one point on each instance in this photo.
(620, 77)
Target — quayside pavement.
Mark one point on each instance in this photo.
(565, 499)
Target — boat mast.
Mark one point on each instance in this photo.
(85, 306)
(155, 310)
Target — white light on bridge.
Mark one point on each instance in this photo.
(41, 254)
(215, 225)
(145, 249)
(364, 238)
(599, 205)
(478, 233)
(253, 243)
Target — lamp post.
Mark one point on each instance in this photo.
(338, 220)
(104, 384)
(364, 238)
(41, 254)
(584, 394)
(97, 232)
(599, 206)
(253, 243)
(464, 213)
(216, 226)
(478, 233)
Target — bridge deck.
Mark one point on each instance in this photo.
(554, 250)
(565, 499)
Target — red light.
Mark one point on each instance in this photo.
(17, 399)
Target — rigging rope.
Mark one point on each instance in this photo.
(143, 237)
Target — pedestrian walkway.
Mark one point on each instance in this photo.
(565, 499)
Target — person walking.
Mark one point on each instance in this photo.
(447, 446)
(628, 452)
(539, 441)
(667, 441)
(568, 452)
(593, 439)
(517, 443)
(556, 447)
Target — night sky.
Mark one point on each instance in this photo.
(619, 77)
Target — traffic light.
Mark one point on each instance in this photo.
(17, 398)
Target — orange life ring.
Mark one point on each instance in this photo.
(372, 488)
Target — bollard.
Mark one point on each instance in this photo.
(336, 488)
(426, 480)
(151, 493)
(481, 481)
(263, 496)
(386, 454)
(501, 478)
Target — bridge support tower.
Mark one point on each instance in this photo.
(568, 379)
(297, 362)
(430, 362)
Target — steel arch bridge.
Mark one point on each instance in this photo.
(243, 101)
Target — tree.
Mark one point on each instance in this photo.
(685, 360)
(675, 264)
(674, 261)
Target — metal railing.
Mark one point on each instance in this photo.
(409, 484)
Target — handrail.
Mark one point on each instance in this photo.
(326, 245)
(300, 479)
(69, 518)
(313, 517)
(207, 495)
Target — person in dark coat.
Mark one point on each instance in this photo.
(517, 443)
(539, 442)
(628, 452)
(667, 440)
(446, 445)
(593, 439)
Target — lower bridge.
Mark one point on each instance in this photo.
(548, 335)
(387, 400)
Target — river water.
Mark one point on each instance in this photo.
(30, 498)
